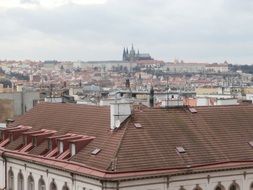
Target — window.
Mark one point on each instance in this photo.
(30, 182)
(65, 187)
(34, 141)
(53, 186)
(219, 187)
(251, 186)
(10, 180)
(42, 185)
(20, 181)
(180, 149)
(50, 144)
(73, 149)
(197, 188)
(234, 186)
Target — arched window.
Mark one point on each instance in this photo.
(197, 188)
(251, 186)
(65, 187)
(10, 180)
(53, 186)
(30, 182)
(42, 185)
(219, 187)
(234, 186)
(20, 181)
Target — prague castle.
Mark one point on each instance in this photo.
(132, 55)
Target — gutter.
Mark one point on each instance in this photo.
(104, 176)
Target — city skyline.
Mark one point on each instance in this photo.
(191, 30)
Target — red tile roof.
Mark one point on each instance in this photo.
(213, 137)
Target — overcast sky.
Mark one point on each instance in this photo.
(189, 30)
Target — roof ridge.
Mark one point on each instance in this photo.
(120, 143)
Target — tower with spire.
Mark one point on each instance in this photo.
(132, 56)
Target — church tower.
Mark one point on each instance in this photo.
(132, 54)
(124, 55)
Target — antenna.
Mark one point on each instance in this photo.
(167, 92)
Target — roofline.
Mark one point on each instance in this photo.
(95, 173)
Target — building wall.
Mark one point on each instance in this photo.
(22, 102)
(59, 177)
(206, 181)
(107, 65)
(6, 109)
(248, 90)
(186, 67)
(249, 97)
(211, 90)
(16, 98)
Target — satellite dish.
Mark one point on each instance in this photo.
(117, 123)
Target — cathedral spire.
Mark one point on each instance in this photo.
(124, 55)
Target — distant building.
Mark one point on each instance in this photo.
(132, 55)
(217, 68)
(16, 103)
(182, 67)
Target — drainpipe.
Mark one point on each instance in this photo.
(102, 184)
(5, 170)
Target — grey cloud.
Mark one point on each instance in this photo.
(167, 29)
(30, 2)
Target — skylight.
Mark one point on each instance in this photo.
(137, 125)
(251, 143)
(180, 149)
(193, 110)
(96, 151)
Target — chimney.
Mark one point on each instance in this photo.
(151, 97)
(127, 83)
(119, 113)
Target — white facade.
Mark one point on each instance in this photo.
(60, 178)
(249, 97)
(107, 65)
(213, 101)
(243, 179)
(186, 67)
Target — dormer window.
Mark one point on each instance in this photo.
(50, 146)
(24, 139)
(11, 137)
(73, 149)
(61, 146)
(34, 141)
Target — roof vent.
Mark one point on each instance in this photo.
(180, 149)
(193, 110)
(96, 151)
(137, 125)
